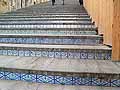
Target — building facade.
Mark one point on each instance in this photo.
(9, 5)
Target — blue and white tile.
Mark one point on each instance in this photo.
(21, 53)
(84, 55)
(45, 53)
(71, 55)
(28, 77)
(64, 55)
(38, 54)
(4, 52)
(57, 54)
(2, 75)
(12, 76)
(115, 83)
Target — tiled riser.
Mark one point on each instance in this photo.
(49, 13)
(63, 80)
(88, 27)
(42, 15)
(70, 54)
(46, 19)
(67, 16)
(45, 23)
(61, 32)
(44, 40)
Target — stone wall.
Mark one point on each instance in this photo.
(10, 5)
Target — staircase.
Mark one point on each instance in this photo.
(55, 45)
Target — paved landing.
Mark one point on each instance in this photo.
(19, 85)
(60, 65)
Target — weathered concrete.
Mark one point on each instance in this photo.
(60, 65)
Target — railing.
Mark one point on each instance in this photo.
(106, 14)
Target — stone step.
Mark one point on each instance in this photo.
(63, 13)
(46, 22)
(51, 39)
(50, 9)
(48, 13)
(28, 26)
(45, 19)
(38, 12)
(41, 15)
(57, 51)
(60, 71)
(43, 10)
(20, 85)
(50, 31)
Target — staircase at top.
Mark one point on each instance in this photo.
(51, 33)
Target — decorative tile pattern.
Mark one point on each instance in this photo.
(28, 77)
(56, 53)
(60, 32)
(51, 26)
(11, 76)
(2, 75)
(46, 79)
(63, 80)
(55, 40)
(115, 82)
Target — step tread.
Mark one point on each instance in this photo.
(42, 46)
(48, 35)
(50, 26)
(51, 29)
(28, 15)
(55, 13)
(48, 30)
(21, 85)
(60, 65)
(45, 18)
(45, 22)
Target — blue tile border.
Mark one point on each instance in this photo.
(56, 53)
(56, 40)
(60, 32)
(55, 79)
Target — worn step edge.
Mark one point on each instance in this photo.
(74, 47)
(41, 19)
(46, 22)
(49, 35)
(60, 65)
(53, 29)
(44, 15)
